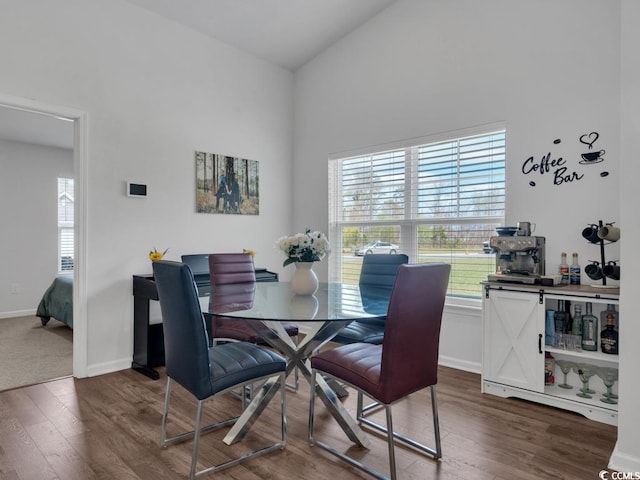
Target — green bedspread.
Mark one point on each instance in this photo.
(57, 301)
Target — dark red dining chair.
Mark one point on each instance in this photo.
(235, 268)
(406, 362)
(238, 268)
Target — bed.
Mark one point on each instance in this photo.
(57, 301)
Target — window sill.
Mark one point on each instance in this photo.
(460, 303)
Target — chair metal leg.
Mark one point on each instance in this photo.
(199, 430)
(436, 421)
(362, 409)
(165, 441)
(437, 452)
(165, 414)
(196, 442)
(314, 441)
(391, 438)
(392, 452)
(312, 406)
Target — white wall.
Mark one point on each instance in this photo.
(626, 456)
(155, 92)
(421, 68)
(29, 216)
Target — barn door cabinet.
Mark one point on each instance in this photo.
(513, 362)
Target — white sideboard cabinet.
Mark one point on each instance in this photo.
(514, 347)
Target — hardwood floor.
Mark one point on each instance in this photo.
(108, 427)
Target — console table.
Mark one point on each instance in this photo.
(515, 346)
(148, 339)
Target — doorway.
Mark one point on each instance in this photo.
(43, 119)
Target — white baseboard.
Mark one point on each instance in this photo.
(622, 462)
(460, 364)
(108, 367)
(18, 313)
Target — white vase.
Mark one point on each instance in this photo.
(304, 281)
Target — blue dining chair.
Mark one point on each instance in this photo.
(206, 371)
(378, 273)
(405, 363)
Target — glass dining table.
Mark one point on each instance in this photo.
(265, 306)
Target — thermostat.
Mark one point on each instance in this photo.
(136, 189)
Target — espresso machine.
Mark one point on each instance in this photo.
(519, 259)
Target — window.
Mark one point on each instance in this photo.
(65, 224)
(436, 199)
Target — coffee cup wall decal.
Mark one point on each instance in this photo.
(562, 171)
(589, 139)
(592, 157)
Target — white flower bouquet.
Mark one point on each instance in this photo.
(304, 247)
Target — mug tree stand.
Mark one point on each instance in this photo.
(602, 256)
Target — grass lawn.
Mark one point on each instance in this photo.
(467, 269)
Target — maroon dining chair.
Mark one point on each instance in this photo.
(406, 361)
(236, 269)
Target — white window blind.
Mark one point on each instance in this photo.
(434, 200)
(65, 224)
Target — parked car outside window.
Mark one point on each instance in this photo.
(377, 247)
(486, 248)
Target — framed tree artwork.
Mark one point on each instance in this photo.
(226, 185)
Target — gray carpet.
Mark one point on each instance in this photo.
(31, 353)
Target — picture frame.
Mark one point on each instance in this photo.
(227, 185)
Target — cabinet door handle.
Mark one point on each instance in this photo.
(540, 343)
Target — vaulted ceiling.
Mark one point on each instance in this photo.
(287, 33)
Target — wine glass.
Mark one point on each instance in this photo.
(609, 376)
(565, 368)
(585, 371)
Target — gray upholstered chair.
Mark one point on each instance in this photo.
(406, 362)
(206, 371)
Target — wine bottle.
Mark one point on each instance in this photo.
(568, 319)
(560, 318)
(610, 310)
(609, 337)
(576, 328)
(589, 330)
(550, 328)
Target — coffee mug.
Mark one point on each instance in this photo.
(591, 233)
(593, 271)
(525, 229)
(612, 271)
(610, 233)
